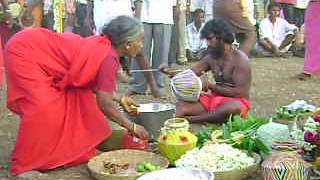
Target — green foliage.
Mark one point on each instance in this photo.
(248, 127)
(239, 132)
(284, 113)
(204, 134)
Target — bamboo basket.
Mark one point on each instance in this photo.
(239, 174)
(133, 157)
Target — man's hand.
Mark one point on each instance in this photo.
(205, 82)
(129, 105)
(168, 71)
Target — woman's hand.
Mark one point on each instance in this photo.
(140, 132)
(129, 105)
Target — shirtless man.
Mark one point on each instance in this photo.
(231, 70)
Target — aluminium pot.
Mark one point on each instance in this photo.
(152, 117)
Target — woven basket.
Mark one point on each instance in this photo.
(239, 174)
(133, 157)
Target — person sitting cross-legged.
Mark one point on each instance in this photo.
(195, 45)
(232, 73)
(276, 34)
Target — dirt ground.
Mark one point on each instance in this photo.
(273, 85)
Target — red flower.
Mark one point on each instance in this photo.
(311, 137)
(317, 118)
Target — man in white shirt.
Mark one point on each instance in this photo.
(194, 44)
(276, 34)
(157, 18)
(105, 10)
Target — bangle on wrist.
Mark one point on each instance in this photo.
(133, 127)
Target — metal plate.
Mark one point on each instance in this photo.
(155, 107)
(178, 174)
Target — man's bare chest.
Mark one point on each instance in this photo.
(223, 72)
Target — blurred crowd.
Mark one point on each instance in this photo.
(172, 27)
(183, 17)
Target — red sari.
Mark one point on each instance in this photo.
(49, 85)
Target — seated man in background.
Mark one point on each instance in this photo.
(276, 34)
(194, 44)
(232, 73)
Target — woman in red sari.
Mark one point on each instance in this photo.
(62, 86)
